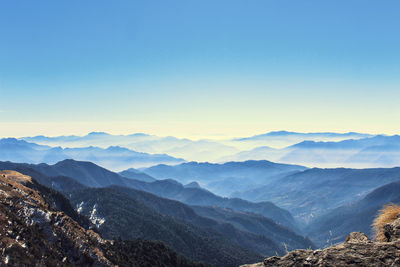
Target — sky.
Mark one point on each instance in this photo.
(199, 69)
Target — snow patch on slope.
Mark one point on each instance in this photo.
(79, 207)
(98, 221)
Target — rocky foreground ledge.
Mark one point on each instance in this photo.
(357, 250)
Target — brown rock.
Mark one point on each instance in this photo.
(357, 250)
(392, 231)
(357, 237)
(33, 234)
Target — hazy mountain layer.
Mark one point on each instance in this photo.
(197, 196)
(200, 150)
(256, 224)
(353, 150)
(137, 175)
(113, 157)
(280, 139)
(313, 192)
(371, 152)
(225, 179)
(335, 225)
(236, 225)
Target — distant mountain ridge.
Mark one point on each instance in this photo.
(227, 178)
(378, 151)
(305, 135)
(113, 157)
(199, 150)
(278, 146)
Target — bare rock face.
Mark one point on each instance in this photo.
(357, 250)
(34, 234)
(357, 237)
(392, 231)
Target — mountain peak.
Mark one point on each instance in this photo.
(192, 185)
(11, 140)
(72, 162)
(98, 134)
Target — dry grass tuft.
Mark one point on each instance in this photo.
(387, 214)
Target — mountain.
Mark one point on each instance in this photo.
(258, 153)
(197, 150)
(377, 151)
(120, 215)
(91, 175)
(313, 192)
(355, 217)
(280, 139)
(136, 175)
(308, 136)
(86, 173)
(194, 196)
(225, 179)
(34, 232)
(117, 209)
(192, 185)
(99, 139)
(238, 226)
(306, 194)
(327, 150)
(255, 224)
(113, 157)
(367, 152)
(70, 174)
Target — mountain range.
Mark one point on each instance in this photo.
(116, 212)
(279, 139)
(199, 150)
(225, 179)
(115, 209)
(113, 157)
(334, 226)
(312, 192)
(306, 193)
(325, 150)
(370, 152)
(247, 209)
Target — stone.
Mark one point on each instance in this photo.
(357, 250)
(356, 237)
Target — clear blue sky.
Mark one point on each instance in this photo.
(199, 68)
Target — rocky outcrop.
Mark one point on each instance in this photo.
(357, 250)
(33, 232)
